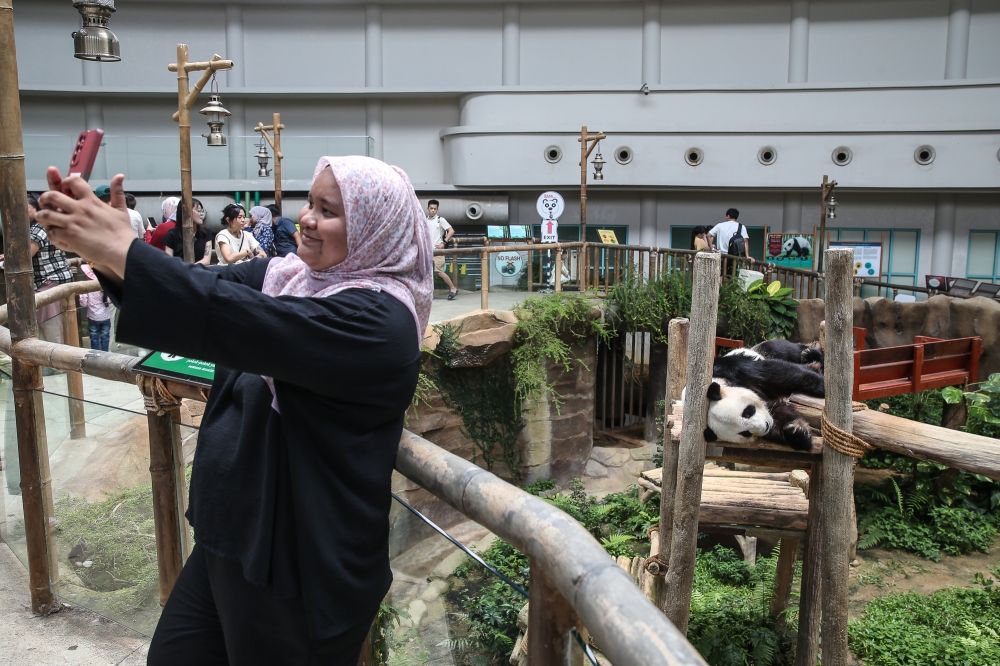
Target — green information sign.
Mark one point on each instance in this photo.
(177, 367)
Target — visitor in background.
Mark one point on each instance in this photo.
(50, 270)
(287, 238)
(723, 232)
(260, 220)
(291, 494)
(169, 210)
(173, 242)
(699, 243)
(99, 310)
(138, 224)
(235, 244)
(441, 232)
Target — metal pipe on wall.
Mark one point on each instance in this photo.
(27, 377)
(511, 74)
(956, 58)
(798, 43)
(651, 42)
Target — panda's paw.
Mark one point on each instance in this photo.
(798, 436)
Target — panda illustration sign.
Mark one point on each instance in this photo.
(790, 250)
(550, 206)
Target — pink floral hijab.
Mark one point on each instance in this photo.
(389, 247)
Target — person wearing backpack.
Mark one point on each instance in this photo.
(730, 237)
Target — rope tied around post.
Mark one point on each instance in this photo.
(654, 566)
(156, 397)
(843, 441)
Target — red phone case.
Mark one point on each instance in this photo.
(85, 153)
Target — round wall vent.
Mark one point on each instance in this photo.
(553, 154)
(842, 155)
(924, 155)
(623, 155)
(767, 155)
(474, 210)
(694, 156)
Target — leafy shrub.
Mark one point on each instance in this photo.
(647, 305)
(951, 627)
(925, 407)
(782, 310)
(748, 319)
(984, 405)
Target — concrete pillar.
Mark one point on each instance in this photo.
(798, 43)
(791, 213)
(957, 50)
(93, 113)
(647, 218)
(944, 234)
(651, 43)
(236, 79)
(511, 44)
(373, 76)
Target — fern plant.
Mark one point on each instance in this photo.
(618, 544)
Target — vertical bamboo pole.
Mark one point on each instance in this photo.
(677, 355)
(484, 295)
(691, 456)
(583, 183)
(74, 380)
(558, 271)
(29, 415)
(838, 468)
(787, 553)
(168, 522)
(807, 641)
(276, 119)
(184, 120)
(530, 269)
(550, 622)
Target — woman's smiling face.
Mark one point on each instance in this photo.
(323, 224)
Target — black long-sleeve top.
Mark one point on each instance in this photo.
(301, 498)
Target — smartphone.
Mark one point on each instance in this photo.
(85, 153)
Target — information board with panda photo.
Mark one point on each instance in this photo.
(790, 250)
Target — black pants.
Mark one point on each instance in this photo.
(215, 617)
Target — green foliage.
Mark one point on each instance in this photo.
(951, 627)
(422, 394)
(619, 545)
(540, 486)
(647, 305)
(117, 535)
(618, 513)
(925, 406)
(546, 327)
(486, 400)
(383, 631)
(782, 310)
(730, 624)
(983, 404)
(748, 319)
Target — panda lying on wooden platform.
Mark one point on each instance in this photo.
(747, 397)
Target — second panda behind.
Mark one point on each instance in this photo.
(749, 391)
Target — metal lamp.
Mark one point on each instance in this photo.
(262, 159)
(216, 114)
(831, 207)
(598, 163)
(94, 41)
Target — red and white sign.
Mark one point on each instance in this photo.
(550, 231)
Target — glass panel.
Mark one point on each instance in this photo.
(982, 253)
(852, 235)
(682, 238)
(904, 252)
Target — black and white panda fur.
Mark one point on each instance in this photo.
(747, 398)
(793, 352)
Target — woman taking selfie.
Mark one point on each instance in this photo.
(236, 245)
(290, 494)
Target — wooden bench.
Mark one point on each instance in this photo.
(929, 363)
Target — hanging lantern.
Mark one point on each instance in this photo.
(94, 41)
(831, 207)
(598, 163)
(262, 159)
(216, 117)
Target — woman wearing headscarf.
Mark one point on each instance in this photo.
(290, 494)
(260, 217)
(169, 210)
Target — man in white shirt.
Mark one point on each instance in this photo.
(441, 232)
(138, 224)
(722, 233)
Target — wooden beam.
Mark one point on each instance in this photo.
(961, 450)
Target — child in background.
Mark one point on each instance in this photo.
(98, 313)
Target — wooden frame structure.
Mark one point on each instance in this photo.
(929, 363)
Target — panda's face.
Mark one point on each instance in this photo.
(736, 414)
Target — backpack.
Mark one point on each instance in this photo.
(737, 244)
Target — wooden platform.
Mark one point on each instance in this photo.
(751, 499)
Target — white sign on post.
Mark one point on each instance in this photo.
(509, 263)
(550, 206)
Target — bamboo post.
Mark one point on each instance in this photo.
(484, 294)
(807, 641)
(29, 415)
(74, 380)
(691, 456)
(825, 189)
(587, 144)
(787, 553)
(530, 269)
(838, 468)
(558, 271)
(168, 521)
(275, 144)
(550, 621)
